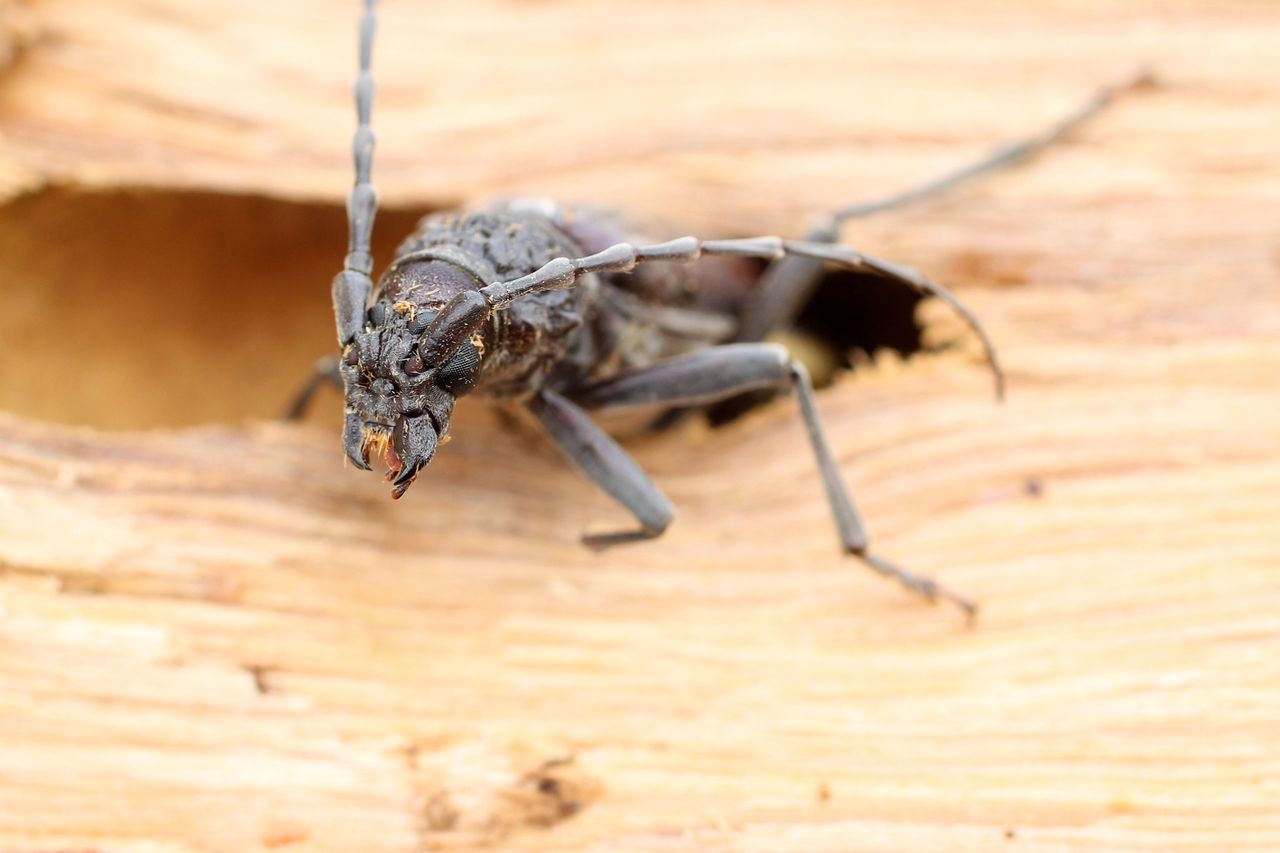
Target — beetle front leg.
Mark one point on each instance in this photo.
(325, 370)
(605, 464)
(712, 374)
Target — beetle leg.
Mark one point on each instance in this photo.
(325, 370)
(605, 464)
(718, 372)
(789, 283)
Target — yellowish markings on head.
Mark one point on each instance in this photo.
(374, 443)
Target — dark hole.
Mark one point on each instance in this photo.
(851, 312)
(860, 311)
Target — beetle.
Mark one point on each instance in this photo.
(572, 309)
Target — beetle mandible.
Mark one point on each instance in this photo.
(569, 310)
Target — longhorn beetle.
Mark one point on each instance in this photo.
(568, 310)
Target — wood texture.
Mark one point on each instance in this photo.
(216, 638)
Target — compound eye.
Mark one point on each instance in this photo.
(350, 356)
(461, 371)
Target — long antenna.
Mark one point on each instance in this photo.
(1008, 154)
(353, 285)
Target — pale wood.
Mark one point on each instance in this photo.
(217, 638)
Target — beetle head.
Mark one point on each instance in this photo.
(403, 371)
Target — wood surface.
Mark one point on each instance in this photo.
(214, 637)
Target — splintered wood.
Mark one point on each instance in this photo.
(214, 637)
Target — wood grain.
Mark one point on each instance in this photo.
(214, 637)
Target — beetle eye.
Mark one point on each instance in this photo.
(351, 357)
(378, 314)
(460, 372)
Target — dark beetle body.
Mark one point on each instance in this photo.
(559, 340)
(562, 339)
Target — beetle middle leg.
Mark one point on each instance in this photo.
(607, 465)
(715, 373)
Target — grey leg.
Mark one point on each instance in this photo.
(605, 464)
(789, 283)
(325, 370)
(785, 287)
(713, 374)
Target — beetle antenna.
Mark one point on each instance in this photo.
(1009, 154)
(353, 285)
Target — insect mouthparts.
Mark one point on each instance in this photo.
(375, 442)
